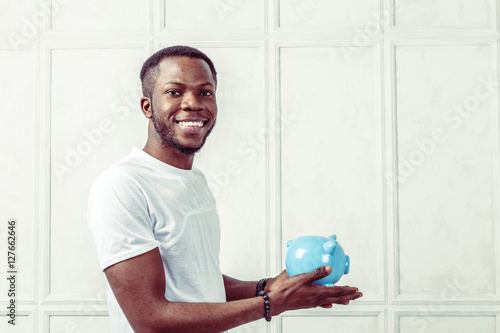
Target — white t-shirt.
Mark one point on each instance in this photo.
(141, 203)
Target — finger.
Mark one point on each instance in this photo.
(356, 295)
(335, 292)
(283, 275)
(317, 274)
(345, 299)
(352, 297)
(340, 291)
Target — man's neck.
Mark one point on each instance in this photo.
(169, 155)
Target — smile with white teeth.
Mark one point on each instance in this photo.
(191, 123)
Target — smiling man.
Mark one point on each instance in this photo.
(179, 98)
(156, 227)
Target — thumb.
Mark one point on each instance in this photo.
(317, 274)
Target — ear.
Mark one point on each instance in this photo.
(146, 107)
(289, 243)
(329, 246)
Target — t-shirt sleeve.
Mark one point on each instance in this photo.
(118, 219)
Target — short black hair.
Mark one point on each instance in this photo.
(150, 72)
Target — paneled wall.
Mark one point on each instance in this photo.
(376, 120)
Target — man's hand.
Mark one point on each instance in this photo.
(274, 283)
(299, 292)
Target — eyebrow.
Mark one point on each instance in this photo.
(182, 84)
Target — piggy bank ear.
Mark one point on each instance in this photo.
(289, 243)
(330, 246)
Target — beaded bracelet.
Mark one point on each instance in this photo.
(267, 305)
(260, 286)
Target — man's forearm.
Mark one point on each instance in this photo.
(237, 289)
(198, 317)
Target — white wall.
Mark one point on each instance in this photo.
(374, 120)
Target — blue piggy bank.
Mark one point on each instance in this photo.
(308, 253)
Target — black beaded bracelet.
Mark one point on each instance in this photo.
(267, 306)
(260, 286)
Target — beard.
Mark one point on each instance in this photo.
(167, 137)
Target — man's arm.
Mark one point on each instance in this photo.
(139, 286)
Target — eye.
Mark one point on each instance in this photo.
(207, 93)
(173, 92)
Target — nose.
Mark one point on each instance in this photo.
(191, 103)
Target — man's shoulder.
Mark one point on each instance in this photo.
(123, 172)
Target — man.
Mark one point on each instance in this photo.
(156, 227)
